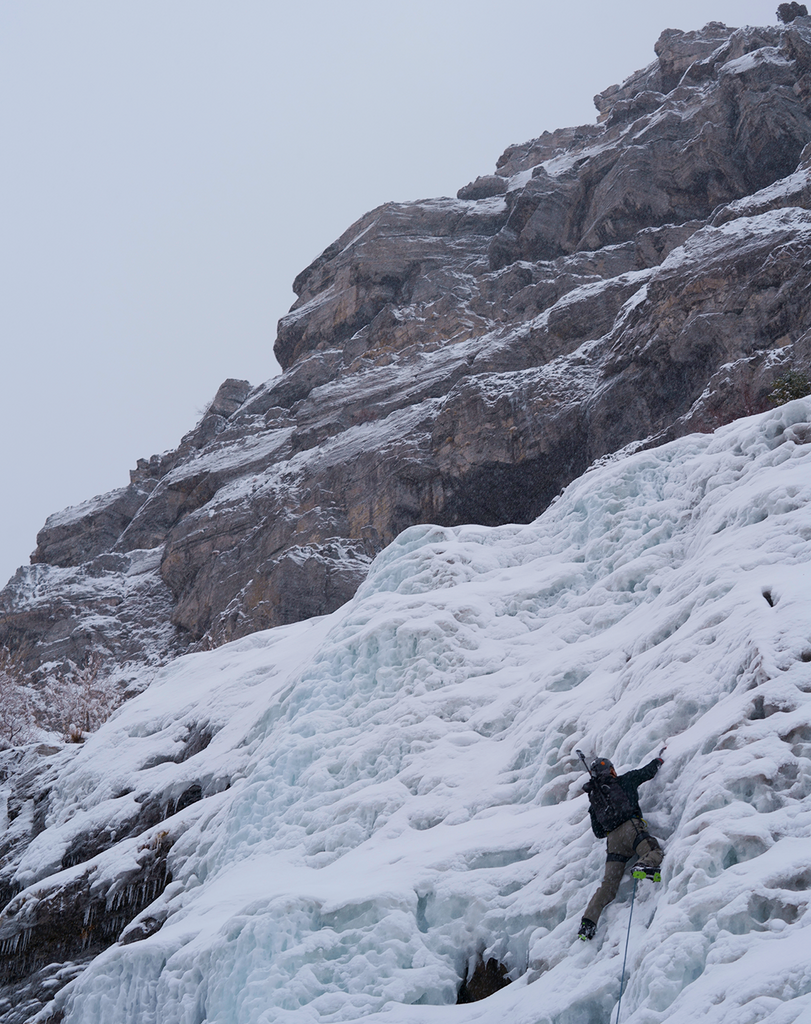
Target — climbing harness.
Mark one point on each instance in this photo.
(625, 958)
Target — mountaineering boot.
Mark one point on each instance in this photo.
(587, 929)
(644, 872)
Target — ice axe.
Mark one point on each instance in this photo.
(582, 757)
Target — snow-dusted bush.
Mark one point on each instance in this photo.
(81, 701)
(16, 712)
(792, 384)
(70, 704)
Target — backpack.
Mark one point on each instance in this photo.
(609, 805)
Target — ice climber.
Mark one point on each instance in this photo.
(615, 816)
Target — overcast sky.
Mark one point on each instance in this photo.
(169, 166)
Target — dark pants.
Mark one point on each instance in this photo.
(630, 838)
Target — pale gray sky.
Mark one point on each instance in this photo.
(169, 166)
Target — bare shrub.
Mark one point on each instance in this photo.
(16, 706)
(81, 701)
(72, 703)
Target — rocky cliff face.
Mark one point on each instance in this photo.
(456, 360)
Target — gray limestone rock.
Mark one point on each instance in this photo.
(484, 187)
(456, 360)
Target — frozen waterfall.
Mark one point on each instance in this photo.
(392, 789)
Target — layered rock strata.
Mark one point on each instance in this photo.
(456, 360)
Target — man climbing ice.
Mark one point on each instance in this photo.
(615, 816)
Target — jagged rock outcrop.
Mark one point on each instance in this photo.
(463, 359)
(61, 909)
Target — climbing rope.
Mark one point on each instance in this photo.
(625, 958)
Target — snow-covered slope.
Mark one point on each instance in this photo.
(390, 790)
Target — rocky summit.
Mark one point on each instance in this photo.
(461, 360)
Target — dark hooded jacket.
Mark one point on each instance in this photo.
(615, 800)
